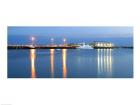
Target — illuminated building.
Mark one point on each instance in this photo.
(103, 44)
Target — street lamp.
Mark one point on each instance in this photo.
(64, 40)
(33, 40)
(52, 40)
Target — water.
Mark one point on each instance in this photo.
(70, 63)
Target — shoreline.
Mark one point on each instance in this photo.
(64, 47)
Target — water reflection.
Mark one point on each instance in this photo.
(104, 62)
(52, 61)
(32, 59)
(64, 62)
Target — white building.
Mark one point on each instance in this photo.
(103, 44)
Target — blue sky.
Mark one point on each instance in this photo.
(119, 35)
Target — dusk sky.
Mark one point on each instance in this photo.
(118, 35)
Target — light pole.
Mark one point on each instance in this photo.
(32, 40)
(64, 40)
(52, 41)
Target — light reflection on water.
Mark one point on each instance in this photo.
(32, 59)
(104, 62)
(52, 51)
(64, 61)
(52, 61)
(70, 63)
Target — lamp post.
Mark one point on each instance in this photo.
(32, 40)
(52, 41)
(64, 40)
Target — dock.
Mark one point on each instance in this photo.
(61, 47)
(39, 47)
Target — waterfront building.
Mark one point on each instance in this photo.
(103, 44)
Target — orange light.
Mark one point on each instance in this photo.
(52, 61)
(33, 57)
(64, 60)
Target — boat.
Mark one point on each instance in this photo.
(31, 46)
(84, 46)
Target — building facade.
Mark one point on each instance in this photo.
(103, 44)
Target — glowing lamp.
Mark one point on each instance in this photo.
(33, 38)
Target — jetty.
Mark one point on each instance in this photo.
(40, 47)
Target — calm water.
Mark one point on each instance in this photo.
(70, 63)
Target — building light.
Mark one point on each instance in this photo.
(103, 44)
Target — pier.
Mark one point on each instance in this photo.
(65, 45)
(41, 47)
(59, 47)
